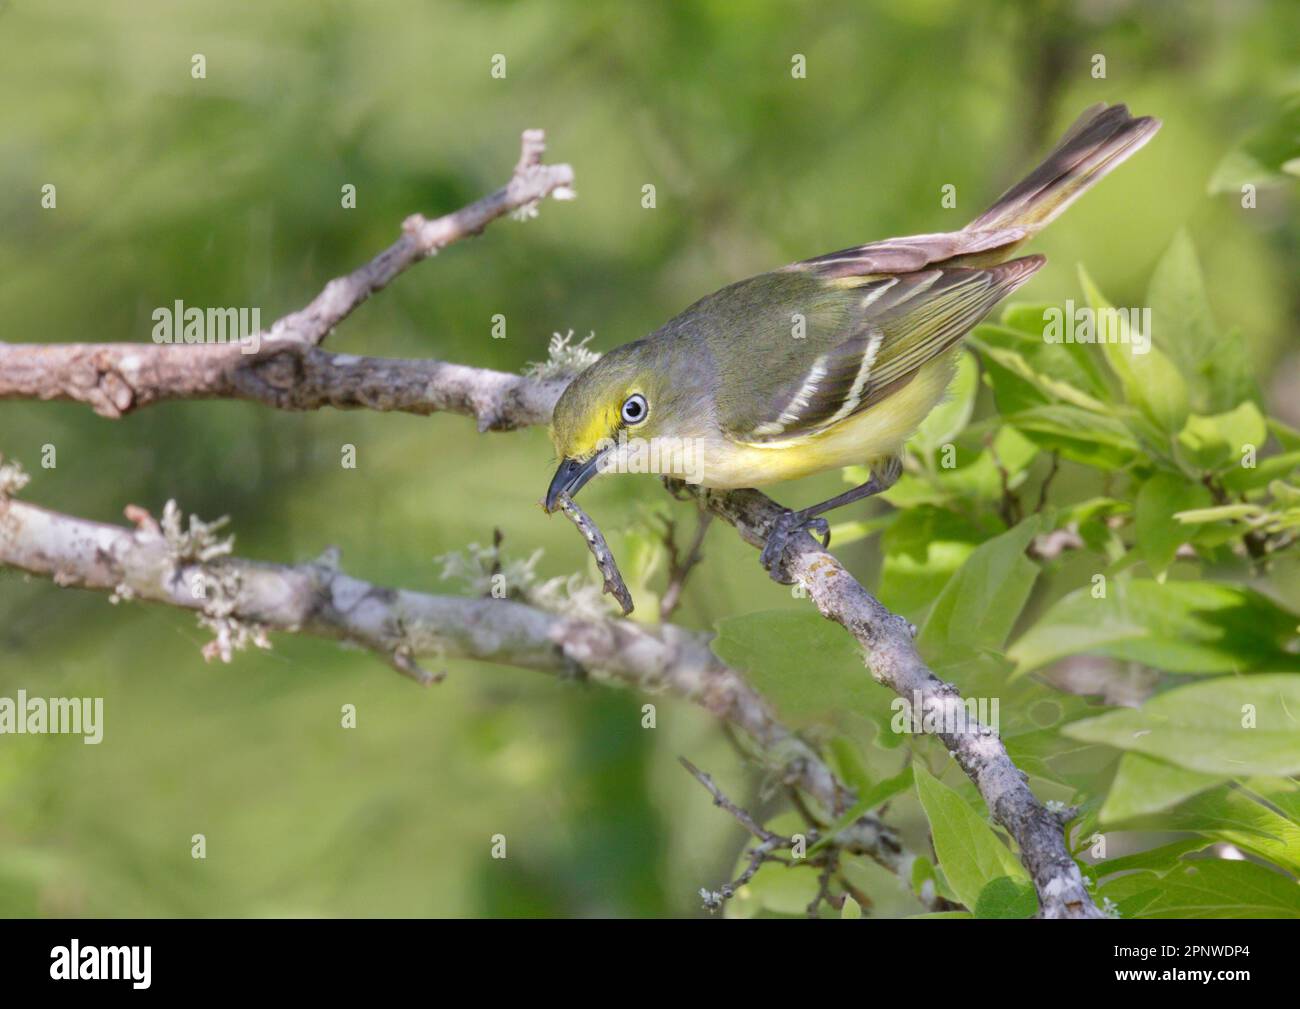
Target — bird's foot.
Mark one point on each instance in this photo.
(790, 524)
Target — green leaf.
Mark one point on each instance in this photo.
(1215, 365)
(1158, 536)
(1017, 384)
(1222, 513)
(1077, 364)
(849, 763)
(1207, 888)
(1150, 380)
(1079, 435)
(1284, 793)
(774, 889)
(1288, 437)
(923, 549)
(1178, 626)
(922, 871)
(1259, 815)
(962, 472)
(891, 897)
(1160, 859)
(1091, 517)
(1240, 817)
(1241, 478)
(1219, 442)
(1266, 157)
(970, 854)
(851, 908)
(868, 799)
(1228, 726)
(1005, 897)
(843, 533)
(978, 607)
(1146, 785)
(1284, 493)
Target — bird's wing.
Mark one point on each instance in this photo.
(904, 255)
(858, 344)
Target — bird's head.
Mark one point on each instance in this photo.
(625, 398)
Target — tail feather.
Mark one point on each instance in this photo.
(1101, 138)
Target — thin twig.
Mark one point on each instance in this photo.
(824, 878)
(769, 843)
(1047, 482)
(530, 183)
(1009, 508)
(742, 817)
(679, 568)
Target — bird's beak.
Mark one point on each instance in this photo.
(571, 477)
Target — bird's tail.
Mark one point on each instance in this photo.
(1099, 140)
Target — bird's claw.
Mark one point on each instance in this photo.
(789, 524)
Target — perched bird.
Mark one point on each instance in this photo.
(826, 363)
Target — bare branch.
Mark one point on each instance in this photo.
(893, 660)
(531, 183)
(720, 800)
(769, 844)
(824, 879)
(761, 853)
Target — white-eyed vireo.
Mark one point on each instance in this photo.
(830, 362)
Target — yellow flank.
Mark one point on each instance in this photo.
(876, 432)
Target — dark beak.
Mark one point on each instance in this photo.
(571, 477)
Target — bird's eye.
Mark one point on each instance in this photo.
(634, 409)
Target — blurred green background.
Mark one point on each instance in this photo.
(226, 191)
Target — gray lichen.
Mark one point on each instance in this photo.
(563, 357)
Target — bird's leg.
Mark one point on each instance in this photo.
(806, 520)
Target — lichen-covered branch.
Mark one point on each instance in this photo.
(116, 378)
(891, 655)
(288, 370)
(191, 567)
